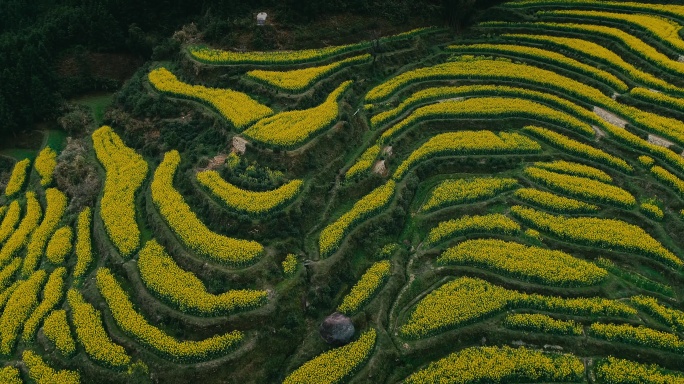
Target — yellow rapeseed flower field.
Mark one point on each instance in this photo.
(217, 56)
(298, 80)
(56, 329)
(523, 262)
(553, 202)
(637, 335)
(537, 322)
(238, 108)
(364, 163)
(613, 370)
(84, 247)
(466, 299)
(10, 220)
(291, 129)
(488, 108)
(665, 30)
(91, 334)
(366, 287)
(598, 53)
(188, 227)
(598, 232)
(60, 245)
(126, 171)
(52, 295)
(460, 191)
(335, 365)
(20, 236)
(468, 143)
(56, 205)
(289, 265)
(671, 317)
(500, 365)
(250, 202)
(45, 165)
(544, 55)
(17, 177)
(575, 169)
(651, 210)
(19, 307)
(332, 235)
(492, 223)
(184, 290)
(581, 187)
(42, 373)
(431, 95)
(668, 178)
(567, 144)
(10, 375)
(140, 329)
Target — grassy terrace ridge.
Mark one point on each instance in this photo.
(498, 202)
(218, 57)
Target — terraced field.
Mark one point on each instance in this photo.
(504, 205)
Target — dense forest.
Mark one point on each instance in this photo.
(46, 47)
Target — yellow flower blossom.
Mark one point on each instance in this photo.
(183, 289)
(189, 229)
(371, 281)
(126, 171)
(250, 202)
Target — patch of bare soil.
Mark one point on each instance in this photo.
(380, 168)
(657, 140)
(215, 163)
(610, 117)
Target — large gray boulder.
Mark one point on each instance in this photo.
(337, 329)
